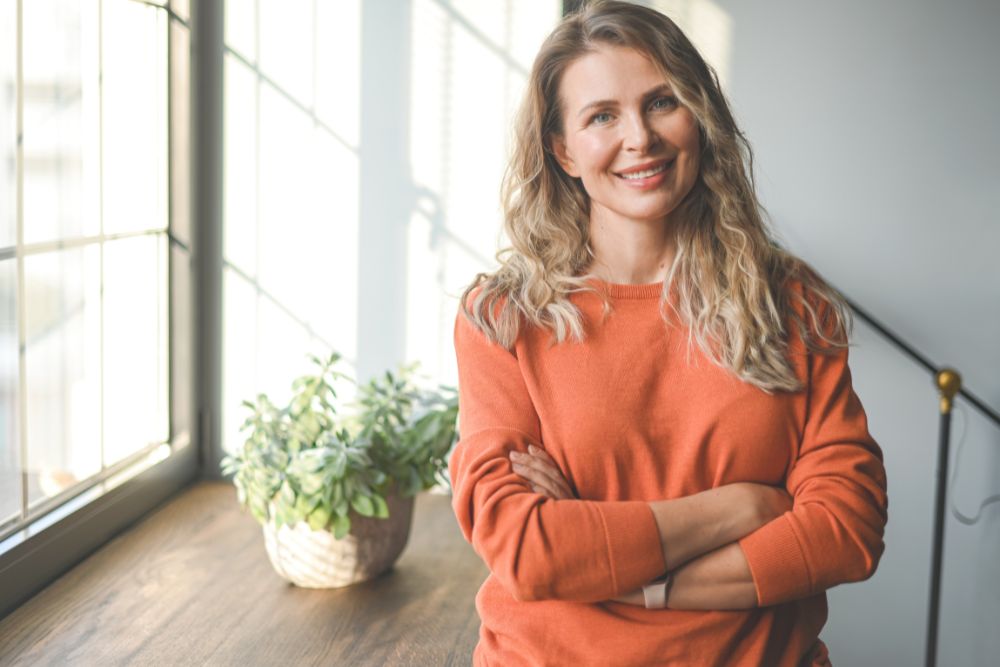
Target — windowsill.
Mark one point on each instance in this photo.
(192, 584)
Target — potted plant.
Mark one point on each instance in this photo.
(334, 493)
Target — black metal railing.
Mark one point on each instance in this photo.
(949, 384)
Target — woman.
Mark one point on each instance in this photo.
(662, 460)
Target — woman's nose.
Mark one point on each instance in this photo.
(639, 135)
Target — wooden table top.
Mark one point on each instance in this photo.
(191, 584)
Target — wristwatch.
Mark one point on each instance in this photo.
(655, 592)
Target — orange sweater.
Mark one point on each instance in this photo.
(629, 420)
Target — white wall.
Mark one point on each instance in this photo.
(876, 130)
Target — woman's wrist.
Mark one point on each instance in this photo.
(719, 580)
(635, 598)
(696, 524)
(745, 508)
(640, 598)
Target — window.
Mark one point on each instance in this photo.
(365, 144)
(292, 91)
(92, 237)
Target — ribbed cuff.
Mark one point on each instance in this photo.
(777, 563)
(634, 551)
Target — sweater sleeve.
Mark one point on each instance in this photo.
(537, 547)
(834, 532)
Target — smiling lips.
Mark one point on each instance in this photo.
(645, 175)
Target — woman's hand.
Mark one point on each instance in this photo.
(755, 504)
(542, 473)
(545, 477)
(770, 501)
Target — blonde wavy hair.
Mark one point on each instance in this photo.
(731, 274)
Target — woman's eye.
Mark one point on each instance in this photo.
(666, 102)
(600, 118)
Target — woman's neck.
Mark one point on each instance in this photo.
(634, 252)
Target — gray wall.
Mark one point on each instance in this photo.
(875, 129)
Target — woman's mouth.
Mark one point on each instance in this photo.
(647, 178)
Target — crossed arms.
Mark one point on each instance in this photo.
(541, 547)
(704, 574)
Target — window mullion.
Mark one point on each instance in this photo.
(22, 388)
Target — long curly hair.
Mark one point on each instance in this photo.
(731, 275)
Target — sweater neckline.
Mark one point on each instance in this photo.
(629, 290)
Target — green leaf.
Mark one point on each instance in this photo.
(319, 518)
(363, 505)
(339, 464)
(341, 507)
(414, 484)
(341, 526)
(381, 507)
(287, 493)
(303, 506)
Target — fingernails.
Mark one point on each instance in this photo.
(532, 449)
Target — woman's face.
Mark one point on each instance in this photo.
(626, 136)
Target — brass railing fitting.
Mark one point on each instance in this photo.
(948, 383)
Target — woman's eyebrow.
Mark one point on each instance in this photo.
(662, 89)
(659, 90)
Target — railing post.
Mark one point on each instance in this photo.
(948, 383)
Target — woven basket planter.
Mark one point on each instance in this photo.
(316, 559)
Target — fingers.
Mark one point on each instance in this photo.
(541, 472)
(542, 483)
(539, 484)
(544, 456)
(546, 475)
(541, 453)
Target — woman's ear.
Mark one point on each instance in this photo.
(558, 146)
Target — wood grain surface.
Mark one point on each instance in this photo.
(191, 585)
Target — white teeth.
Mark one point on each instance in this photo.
(645, 174)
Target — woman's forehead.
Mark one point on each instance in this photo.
(611, 73)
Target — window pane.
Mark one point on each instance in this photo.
(135, 350)
(309, 221)
(8, 127)
(239, 355)
(286, 46)
(338, 68)
(240, 235)
(241, 27)
(63, 357)
(61, 126)
(10, 443)
(181, 344)
(135, 117)
(180, 136)
(471, 75)
(282, 347)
